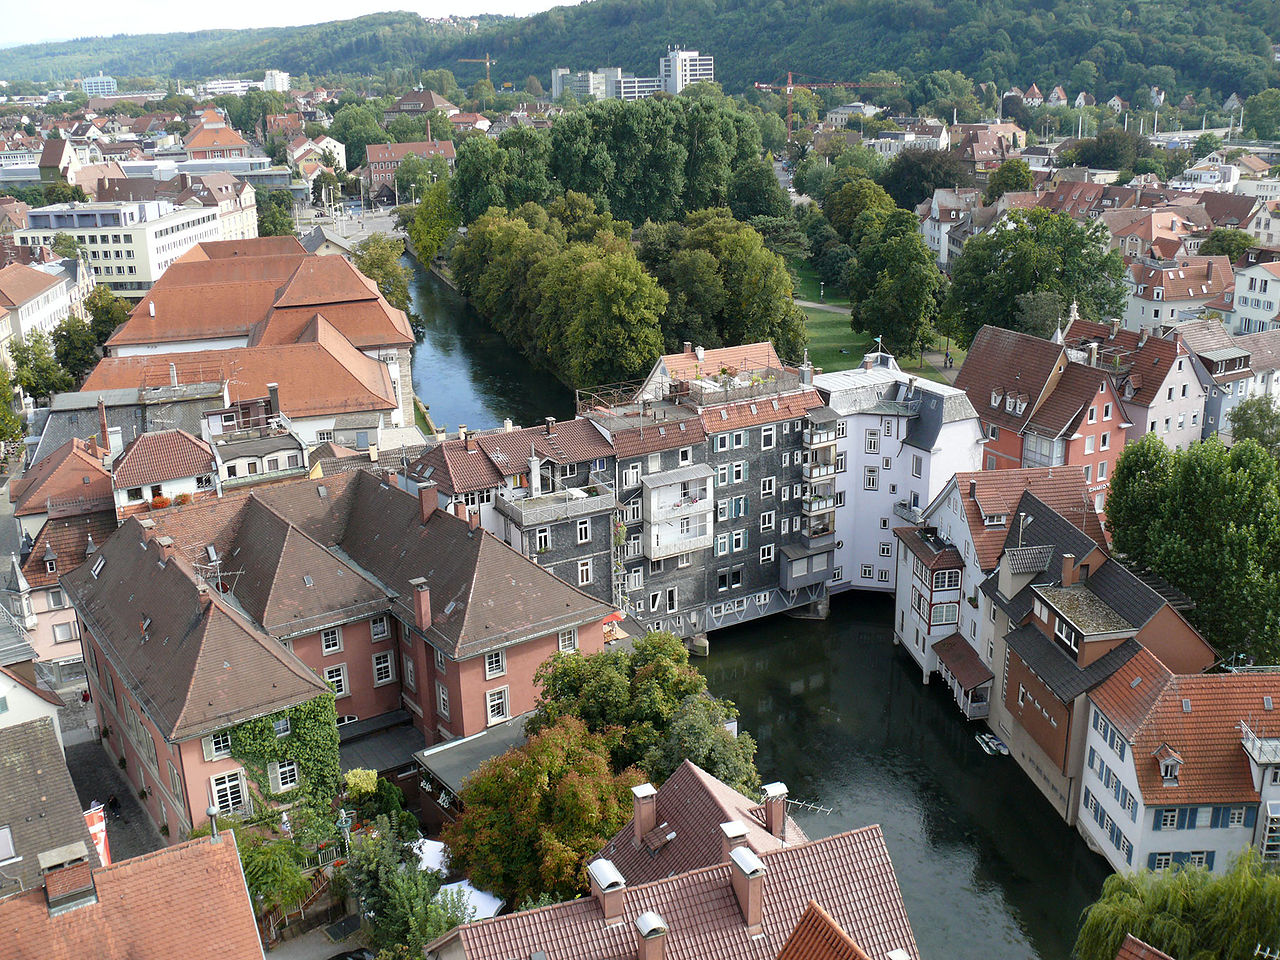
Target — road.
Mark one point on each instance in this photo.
(784, 181)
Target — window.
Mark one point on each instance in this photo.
(766, 521)
(584, 530)
(635, 578)
(410, 680)
(1088, 473)
(867, 571)
(882, 575)
(336, 677)
(767, 487)
(686, 456)
(217, 745)
(442, 701)
(567, 641)
(631, 475)
(175, 782)
(384, 668)
(654, 463)
(1089, 444)
(1102, 470)
(766, 553)
(440, 661)
(331, 641)
(324, 436)
(944, 613)
(870, 478)
(1168, 819)
(873, 441)
(62, 632)
(1093, 415)
(542, 539)
(655, 566)
(739, 439)
(379, 628)
(284, 776)
(886, 549)
(97, 567)
(1106, 411)
(767, 434)
(134, 494)
(280, 727)
(584, 572)
(917, 465)
(1106, 441)
(228, 792)
(945, 579)
(495, 664)
(739, 540)
(1235, 817)
(496, 705)
(1163, 860)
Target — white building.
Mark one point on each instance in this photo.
(676, 70)
(944, 211)
(679, 68)
(218, 88)
(899, 439)
(38, 298)
(276, 81)
(1221, 177)
(1186, 772)
(1255, 302)
(842, 115)
(99, 86)
(890, 143)
(168, 464)
(129, 245)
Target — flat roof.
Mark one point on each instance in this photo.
(455, 760)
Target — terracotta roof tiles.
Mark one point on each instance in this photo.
(20, 283)
(818, 937)
(69, 475)
(1135, 949)
(1001, 363)
(160, 456)
(750, 356)
(750, 413)
(68, 539)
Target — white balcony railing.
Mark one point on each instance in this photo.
(818, 471)
(812, 506)
(814, 437)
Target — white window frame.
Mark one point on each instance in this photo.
(232, 780)
(584, 572)
(500, 698)
(217, 746)
(584, 530)
(379, 623)
(766, 553)
(567, 640)
(281, 727)
(442, 700)
(384, 658)
(341, 687)
(327, 650)
(495, 664)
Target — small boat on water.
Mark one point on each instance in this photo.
(992, 744)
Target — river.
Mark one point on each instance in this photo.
(988, 871)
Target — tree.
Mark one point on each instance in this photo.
(416, 174)
(272, 870)
(355, 127)
(325, 188)
(106, 312)
(531, 817)
(533, 86)
(75, 346)
(645, 702)
(275, 214)
(913, 175)
(1034, 250)
(61, 192)
(1186, 912)
(1206, 144)
(378, 258)
(1226, 242)
(613, 333)
(1011, 177)
(851, 201)
(66, 246)
(528, 165)
(479, 178)
(35, 369)
(1112, 149)
(1257, 419)
(434, 222)
(754, 191)
(1262, 113)
(894, 283)
(482, 90)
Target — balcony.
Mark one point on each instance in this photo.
(1261, 749)
(665, 540)
(908, 513)
(568, 504)
(813, 506)
(685, 492)
(818, 437)
(818, 471)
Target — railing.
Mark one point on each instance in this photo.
(324, 857)
(725, 388)
(1261, 749)
(660, 546)
(818, 438)
(658, 509)
(608, 395)
(815, 505)
(561, 505)
(270, 924)
(816, 471)
(907, 512)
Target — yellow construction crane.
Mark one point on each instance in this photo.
(487, 61)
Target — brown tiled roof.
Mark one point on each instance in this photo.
(1063, 408)
(1148, 360)
(1191, 278)
(998, 492)
(1226, 209)
(1199, 717)
(160, 456)
(702, 915)
(68, 475)
(946, 558)
(395, 152)
(652, 437)
(20, 283)
(1004, 362)
(818, 937)
(210, 138)
(44, 694)
(199, 666)
(1263, 347)
(1135, 949)
(962, 661)
(143, 910)
(692, 804)
(253, 247)
(315, 379)
(68, 538)
(455, 469)
(735, 416)
(749, 356)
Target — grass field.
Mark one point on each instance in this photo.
(834, 346)
(807, 285)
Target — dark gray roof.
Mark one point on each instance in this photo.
(1016, 607)
(38, 801)
(1045, 527)
(257, 446)
(379, 743)
(14, 647)
(1028, 559)
(1060, 673)
(452, 762)
(74, 415)
(1125, 593)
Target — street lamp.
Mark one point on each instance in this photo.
(822, 291)
(345, 819)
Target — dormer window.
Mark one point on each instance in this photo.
(1020, 406)
(1169, 771)
(1159, 293)
(1010, 402)
(51, 566)
(995, 398)
(1170, 762)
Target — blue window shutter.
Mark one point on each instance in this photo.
(1159, 816)
(1215, 818)
(1182, 818)
(1181, 858)
(1151, 861)
(1091, 755)
(1208, 859)
(1250, 816)
(1191, 818)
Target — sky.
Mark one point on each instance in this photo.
(30, 22)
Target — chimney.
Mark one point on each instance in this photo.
(462, 434)
(973, 490)
(427, 500)
(1115, 326)
(473, 518)
(1093, 354)
(551, 426)
(173, 374)
(732, 836)
(608, 888)
(775, 809)
(866, 363)
(273, 391)
(644, 817)
(460, 510)
(373, 453)
(747, 873)
(68, 877)
(1068, 569)
(92, 447)
(507, 426)
(102, 423)
(1142, 337)
(651, 936)
(688, 346)
(700, 353)
(806, 370)
(421, 602)
(166, 548)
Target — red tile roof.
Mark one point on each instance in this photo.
(69, 475)
(965, 665)
(1002, 363)
(396, 152)
(46, 695)
(702, 915)
(818, 937)
(138, 908)
(1062, 409)
(997, 493)
(650, 437)
(749, 356)
(1198, 717)
(750, 413)
(1191, 278)
(165, 455)
(20, 283)
(692, 804)
(213, 138)
(68, 538)
(1135, 949)
(934, 559)
(1148, 359)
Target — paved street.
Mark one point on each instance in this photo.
(314, 945)
(97, 776)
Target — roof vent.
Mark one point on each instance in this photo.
(1266, 703)
(1134, 683)
(1186, 705)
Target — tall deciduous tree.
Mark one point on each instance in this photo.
(1226, 242)
(913, 175)
(894, 283)
(1033, 250)
(845, 205)
(531, 817)
(275, 214)
(480, 177)
(35, 369)
(378, 258)
(355, 127)
(1257, 419)
(75, 346)
(106, 312)
(1012, 176)
(434, 221)
(754, 191)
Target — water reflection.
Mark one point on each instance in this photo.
(987, 869)
(466, 372)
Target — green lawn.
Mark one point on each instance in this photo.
(834, 346)
(807, 285)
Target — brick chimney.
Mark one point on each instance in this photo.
(608, 888)
(775, 809)
(460, 510)
(68, 877)
(973, 490)
(747, 873)
(644, 817)
(421, 602)
(688, 346)
(732, 835)
(1068, 569)
(166, 548)
(427, 499)
(473, 518)
(550, 425)
(651, 936)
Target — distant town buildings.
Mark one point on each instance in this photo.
(677, 69)
(99, 86)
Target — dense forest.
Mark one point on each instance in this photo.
(1107, 46)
